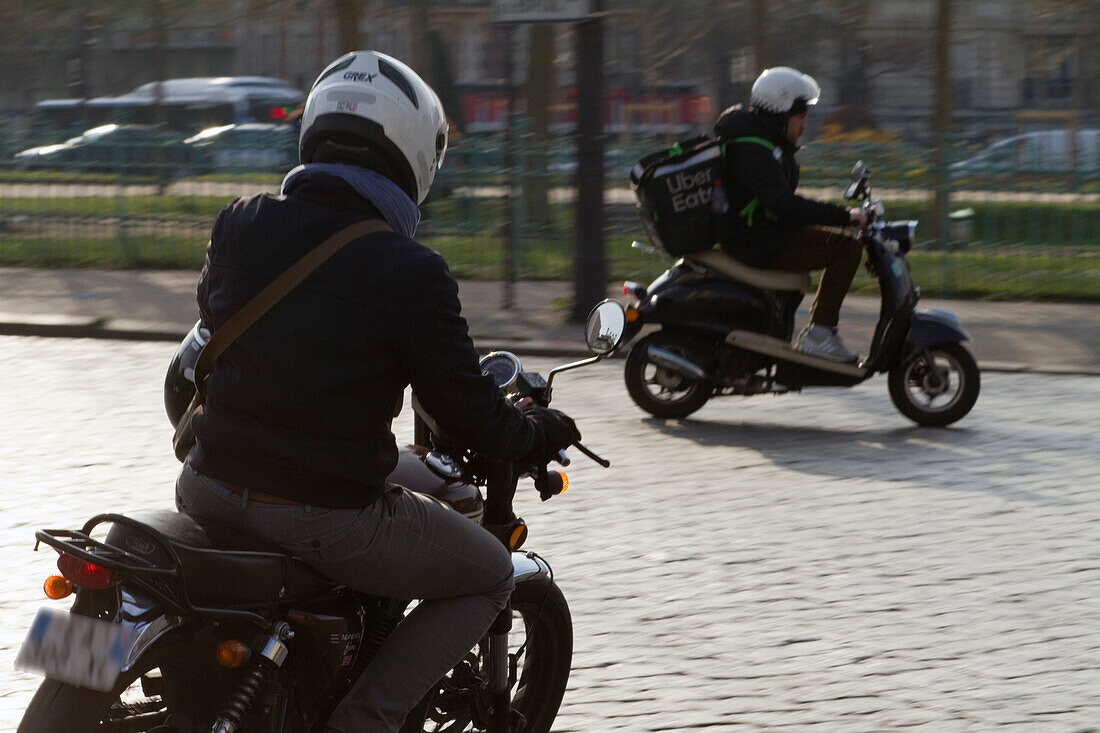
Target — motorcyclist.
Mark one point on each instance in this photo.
(772, 226)
(294, 442)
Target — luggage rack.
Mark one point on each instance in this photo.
(166, 584)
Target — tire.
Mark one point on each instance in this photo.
(539, 608)
(656, 390)
(58, 707)
(939, 396)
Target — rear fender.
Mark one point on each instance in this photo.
(144, 623)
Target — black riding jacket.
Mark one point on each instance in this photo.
(301, 404)
(761, 178)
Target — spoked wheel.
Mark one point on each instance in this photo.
(657, 390)
(937, 387)
(541, 643)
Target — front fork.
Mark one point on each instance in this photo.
(500, 520)
(497, 680)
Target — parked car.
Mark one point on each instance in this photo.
(138, 150)
(248, 147)
(1042, 152)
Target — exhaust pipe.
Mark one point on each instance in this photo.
(675, 363)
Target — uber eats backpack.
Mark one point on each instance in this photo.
(680, 196)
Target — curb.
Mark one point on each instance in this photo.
(70, 327)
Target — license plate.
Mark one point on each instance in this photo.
(86, 652)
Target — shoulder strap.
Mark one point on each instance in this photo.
(262, 302)
(757, 140)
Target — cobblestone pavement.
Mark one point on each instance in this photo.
(804, 563)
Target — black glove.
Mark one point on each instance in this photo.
(554, 430)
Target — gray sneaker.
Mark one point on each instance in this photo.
(824, 343)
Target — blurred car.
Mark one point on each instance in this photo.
(1042, 152)
(248, 147)
(140, 150)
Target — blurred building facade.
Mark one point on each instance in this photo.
(668, 64)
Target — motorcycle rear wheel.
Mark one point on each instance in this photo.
(938, 387)
(655, 389)
(58, 707)
(543, 625)
(134, 706)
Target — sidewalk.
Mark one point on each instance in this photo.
(160, 305)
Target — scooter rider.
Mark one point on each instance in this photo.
(772, 226)
(294, 443)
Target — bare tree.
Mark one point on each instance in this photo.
(670, 39)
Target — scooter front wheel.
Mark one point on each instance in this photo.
(657, 390)
(938, 386)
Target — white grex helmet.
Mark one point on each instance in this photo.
(370, 99)
(783, 90)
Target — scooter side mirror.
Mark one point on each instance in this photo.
(604, 328)
(860, 176)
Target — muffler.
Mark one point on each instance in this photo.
(675, 363)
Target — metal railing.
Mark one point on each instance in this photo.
(507, 212)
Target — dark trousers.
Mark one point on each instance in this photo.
(817, 248)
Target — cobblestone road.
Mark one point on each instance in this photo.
(803, 563)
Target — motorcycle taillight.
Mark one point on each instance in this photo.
(85, 574)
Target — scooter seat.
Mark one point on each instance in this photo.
(766, 279)
(221, 566)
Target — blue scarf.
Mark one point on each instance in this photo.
(392, 202)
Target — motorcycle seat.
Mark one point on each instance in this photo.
(221, 566)
(716, 259)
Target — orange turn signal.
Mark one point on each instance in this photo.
(232, 653)
(57, 587)
(631, 314)
(518, 537)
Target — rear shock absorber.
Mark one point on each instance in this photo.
(270, 658)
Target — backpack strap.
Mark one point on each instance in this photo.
(262, 302)
(757, 140)
(749, 211)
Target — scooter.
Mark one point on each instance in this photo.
(719, 327)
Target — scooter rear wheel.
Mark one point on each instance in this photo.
(657, 390)
(937, 387)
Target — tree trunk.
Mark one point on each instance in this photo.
(721, 49)
(348, 13)
(941, 122)
(761, 49)
(854, 89)
(539, 93)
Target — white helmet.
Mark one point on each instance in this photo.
(783, 90)
(369, 100)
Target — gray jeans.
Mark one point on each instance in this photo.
(404, 545)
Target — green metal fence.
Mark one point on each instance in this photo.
(504, 209)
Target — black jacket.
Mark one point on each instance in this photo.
(761, 179)
(301, 404)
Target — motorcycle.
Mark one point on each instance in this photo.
(181, 626)
(723, 328)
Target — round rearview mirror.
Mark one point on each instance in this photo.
(604, 330)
